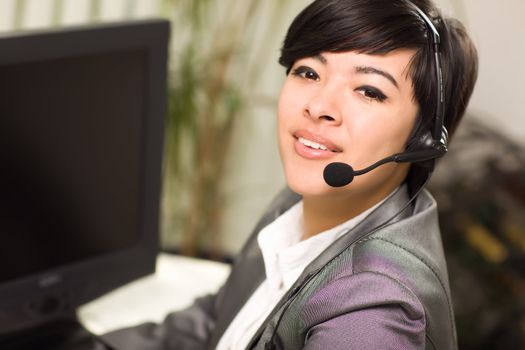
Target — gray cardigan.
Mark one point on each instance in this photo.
(380, 286)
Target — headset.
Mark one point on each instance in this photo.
(433, 144)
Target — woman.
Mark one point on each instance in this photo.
(346, 261)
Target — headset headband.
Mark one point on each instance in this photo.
(439, 133)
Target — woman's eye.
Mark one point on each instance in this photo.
(372, 93)
(306, 73)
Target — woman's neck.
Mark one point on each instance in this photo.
(323, 213)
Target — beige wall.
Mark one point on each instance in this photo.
(255, 174)
(41, 13)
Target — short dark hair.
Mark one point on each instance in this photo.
(381, 26)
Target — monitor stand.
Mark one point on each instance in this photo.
(65, 334)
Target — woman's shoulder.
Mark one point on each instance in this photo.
(410, 249)
(400, 267)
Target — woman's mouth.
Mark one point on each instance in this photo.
(311, 146)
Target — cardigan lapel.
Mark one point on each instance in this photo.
(392, 210)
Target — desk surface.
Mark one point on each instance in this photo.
(177, 282)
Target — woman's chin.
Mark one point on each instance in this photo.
(310, 185)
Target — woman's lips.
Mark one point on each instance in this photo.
(313, 146)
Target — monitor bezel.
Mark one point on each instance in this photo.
(52, 294)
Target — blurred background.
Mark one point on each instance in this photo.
(222, 166)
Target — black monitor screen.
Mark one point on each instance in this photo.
(69, 159)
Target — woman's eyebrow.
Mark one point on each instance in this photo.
(320, 58)
(372, 70)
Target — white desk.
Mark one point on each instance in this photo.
(174, 286)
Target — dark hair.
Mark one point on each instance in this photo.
(381, 26)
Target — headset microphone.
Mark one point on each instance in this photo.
(341, 174)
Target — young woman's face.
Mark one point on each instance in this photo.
(346, 107)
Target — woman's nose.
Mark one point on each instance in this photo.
(324, 105)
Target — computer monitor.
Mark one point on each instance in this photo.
(81, 135)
